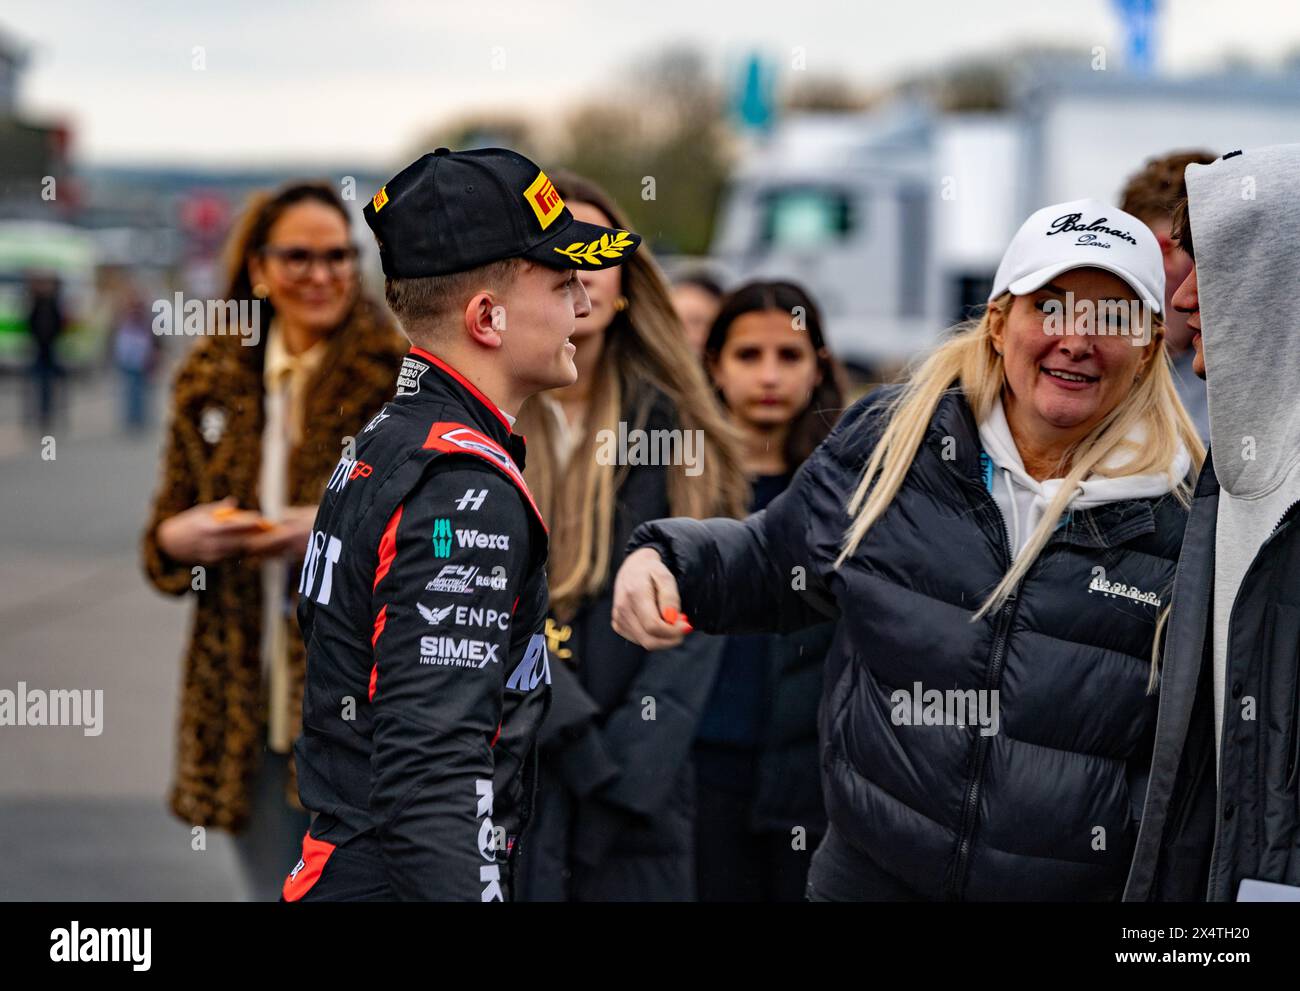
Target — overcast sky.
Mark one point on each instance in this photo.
(359, 81)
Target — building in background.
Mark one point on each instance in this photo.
(35, 151)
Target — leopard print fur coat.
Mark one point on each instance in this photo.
(213, 450)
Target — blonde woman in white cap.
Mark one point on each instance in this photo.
(998, 539)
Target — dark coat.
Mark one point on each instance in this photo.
(1197, 845)
(788, 790)
(1047, 806)
(615, 812)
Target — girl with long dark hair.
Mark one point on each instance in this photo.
(759, 810)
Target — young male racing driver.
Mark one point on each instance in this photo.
(423, 592)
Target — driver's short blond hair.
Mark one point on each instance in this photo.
(423, 305)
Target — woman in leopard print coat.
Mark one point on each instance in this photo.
(214, 452)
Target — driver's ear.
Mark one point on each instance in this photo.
(485, 319)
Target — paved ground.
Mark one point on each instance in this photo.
(84, 817)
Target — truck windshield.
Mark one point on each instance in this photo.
(802, 218)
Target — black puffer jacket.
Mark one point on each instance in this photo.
(1046, 807)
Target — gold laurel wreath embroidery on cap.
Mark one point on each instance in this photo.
(605, 247)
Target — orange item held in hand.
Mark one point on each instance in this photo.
(227, 512)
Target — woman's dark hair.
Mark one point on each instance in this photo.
(700, 279)
(810, 427)
(251, 231)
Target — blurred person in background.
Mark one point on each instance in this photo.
(759, 808)
(45, 324)
(614, 820)
(696, 297)
(998, 538)
(1151, 195)
(136, 351)
(255, 432)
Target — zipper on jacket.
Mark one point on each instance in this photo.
(1293, 745)
(970, 811)
(1212, 882)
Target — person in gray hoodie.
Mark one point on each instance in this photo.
(1151, 194)
(1222, 811)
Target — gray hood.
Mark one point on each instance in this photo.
(1245, 218)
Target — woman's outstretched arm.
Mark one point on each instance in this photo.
(767, 573)
(756, 575)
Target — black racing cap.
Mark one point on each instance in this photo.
(451, 211)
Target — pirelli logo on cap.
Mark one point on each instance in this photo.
(544, 199)
(380, 198)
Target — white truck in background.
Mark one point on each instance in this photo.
(895, 220)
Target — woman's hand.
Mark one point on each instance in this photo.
(647, 608)
(288, 539)
(208, 533)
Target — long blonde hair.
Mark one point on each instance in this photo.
(970, 360)
(645, 352)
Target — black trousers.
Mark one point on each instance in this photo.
(351, 875)
(733, 862)
(355, 872)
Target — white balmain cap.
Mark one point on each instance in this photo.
(1082, 234)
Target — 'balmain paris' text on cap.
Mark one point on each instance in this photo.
(1082, 234)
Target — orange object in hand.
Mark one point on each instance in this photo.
(227, 512)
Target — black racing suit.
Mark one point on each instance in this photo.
(422, 600)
